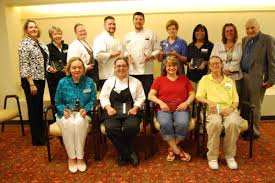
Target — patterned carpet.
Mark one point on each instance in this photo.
(20, 162)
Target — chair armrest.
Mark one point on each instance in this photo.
(45, 112)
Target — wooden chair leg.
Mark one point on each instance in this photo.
(2, 127)
(49, 149)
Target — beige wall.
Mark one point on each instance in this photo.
(11, 20)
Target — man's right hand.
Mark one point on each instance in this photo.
(115, 53)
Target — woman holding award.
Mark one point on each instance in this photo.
(230, 51)
(74, 99)
(121, 98)
(173, 94)
(173, 46)
(58, 59)
(81, 48)
(198, 55)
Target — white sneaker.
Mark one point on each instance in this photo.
(231, 163)
(72, 167)
(213, 164)
(81, 166)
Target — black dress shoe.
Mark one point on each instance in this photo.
(121, 160)
(134, 159)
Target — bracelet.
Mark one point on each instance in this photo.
(32, 84)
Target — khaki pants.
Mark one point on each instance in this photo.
(214, 126)
(74, 131)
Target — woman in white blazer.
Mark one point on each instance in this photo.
(80, 48)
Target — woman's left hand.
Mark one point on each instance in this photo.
(203, 64)
(133, 111)
(83, 113)
(227, 111)
(182, 107)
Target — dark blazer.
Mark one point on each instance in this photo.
(262, 60)
(55, 55)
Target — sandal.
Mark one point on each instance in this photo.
(171, 155)
(184, 156)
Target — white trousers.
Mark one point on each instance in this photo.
(74, 131)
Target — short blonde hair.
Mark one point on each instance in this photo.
(171, 60)
(52, 29)
(68, 65)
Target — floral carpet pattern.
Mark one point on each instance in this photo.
(21, 162)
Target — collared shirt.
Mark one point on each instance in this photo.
(135, 87)
(232, 63)
(198, 53)
(247, 52)
(138, 44)
(179, 45)
(103, 45)
(224, 94)
(77, 49)
(68, 92)
(31, 60)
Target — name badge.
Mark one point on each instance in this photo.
(204, 50)
(227, 85)
(65, 51)
(87, 91)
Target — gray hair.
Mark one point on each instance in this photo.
(52, 29)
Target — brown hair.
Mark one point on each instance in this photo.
(68, 65)
(121, 58)
(77, 25)
(26, 24)
(172, 22)
(224, 40)
(173, 60)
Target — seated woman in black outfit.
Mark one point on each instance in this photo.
(58, 59)
(121, 98)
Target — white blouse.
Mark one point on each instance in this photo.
(235, 63)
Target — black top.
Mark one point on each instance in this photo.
(198, 53)
(56, 55)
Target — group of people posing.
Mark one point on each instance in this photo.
(217, 75)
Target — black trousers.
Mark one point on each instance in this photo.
(122, 132)
(147, 81)
(35, 110)
(100, 84)
(53, 80)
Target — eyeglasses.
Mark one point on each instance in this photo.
(121, 66)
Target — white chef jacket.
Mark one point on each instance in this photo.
(135, 87)
(103, 45)
(137, 44)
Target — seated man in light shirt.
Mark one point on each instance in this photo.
(142, 48)
(107, 49)
(220, 94)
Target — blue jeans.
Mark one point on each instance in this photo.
(173, 125)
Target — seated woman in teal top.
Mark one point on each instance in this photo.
(74, 99)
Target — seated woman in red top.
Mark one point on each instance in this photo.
(173, 94)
